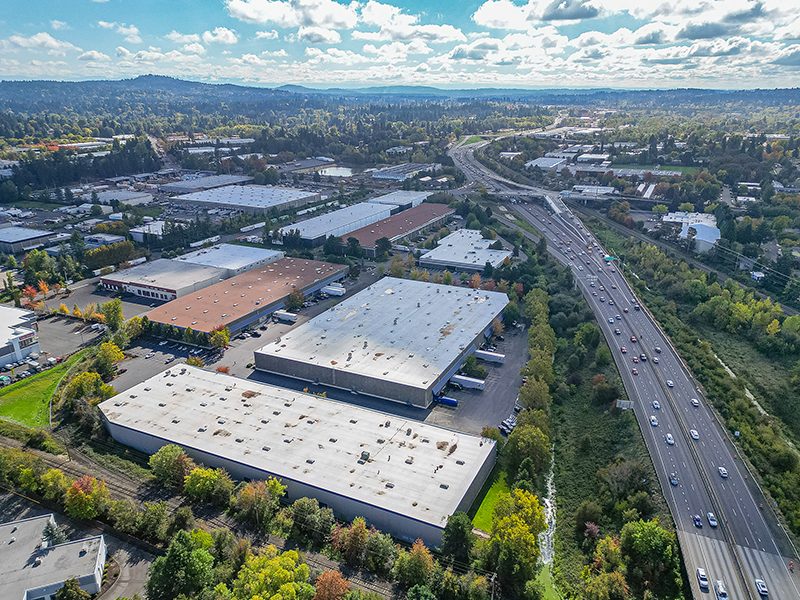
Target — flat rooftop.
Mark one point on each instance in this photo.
(232, 257)
(165, 273)
(230, 300)
(205, 183)
(345, 220)
(414, 469)
(249, 196)
(401, 197)
(12, 235)
(14, 322)
(401, 224)
(399, 330)
(465, 248)
(151, 228)
(58, 563)
(106, 196)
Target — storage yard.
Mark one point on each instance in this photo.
(403, 476)
(398, 339)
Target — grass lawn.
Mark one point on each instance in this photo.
(473, 139)
(545, 579)
(483, 507)
(681, 168)
(27, 401)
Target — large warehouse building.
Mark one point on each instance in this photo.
(248, 298)
(402, 225)
(401, 199)
(21, 239)
(403, 476)
(464, 250)
(253, 199)
(162, 279)
(314, 231)
(398, 339)
(187, 186)
(232, 258)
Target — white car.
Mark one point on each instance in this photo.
(669, 439)
(655, 359)
(670, 383)
(694, 434)
(761, 586)
(712, 520)
(702, 578)
(695, 402)
(653, 421)
(723, 472)
(656, 404)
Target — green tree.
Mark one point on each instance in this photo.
(354, 248)
(380, 553)
(333, 246)
(170, 465)
(420, 592)
(54, 484)
(310, 522)
(414, 566)
(220, 338)
(526, 441)
(651, 556)
(154, 521)
(458, 539)
(256, 502)
(71, 590)
(382, 247)
(535, 394)
(295, 300)
(186, 568)
(54, 534)
(351, 541)
(108, 355)
(112, 311)
(213, 486)
(272, 575)
(86, 498)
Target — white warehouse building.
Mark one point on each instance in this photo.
(314, 231)
(398, 339)
(464, 250)
(232, 258)
(162, 279)
(403, 476)
(19, 336)
(254, 199)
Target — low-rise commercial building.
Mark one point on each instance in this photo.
(246, 299)
(398, 339)
(253, 199)
(402, 225)
(403, 476)
(402, 199)
(96, 240)
(162, 279)
(314, 231)
(546, 163)
(130, 197)
(404, 171)
(154, 230)
(14, 240)
(464, 250)
(18, 334)
(231, 258)
(33, 568)
(187, 186)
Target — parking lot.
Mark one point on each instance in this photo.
(88, 293)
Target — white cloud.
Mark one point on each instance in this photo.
(295, 13)
(335, 55)
(220, 35)
(182, 38)
(267, 35)
(129, 32)
(318, 35)
(42, 41)
(194, 48)
(94, 56)
(396, 52)
(393, 24)
(502, 14)
(58, 25)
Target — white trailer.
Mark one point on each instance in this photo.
(470, 383)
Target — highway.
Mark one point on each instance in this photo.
(747, 543)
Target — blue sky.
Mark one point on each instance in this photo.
(450, 43)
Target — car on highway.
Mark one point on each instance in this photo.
(702, 579)
(163, 342)
(635, 359)
(698, 521)
(723, 472)
(618, 317)
(580, 268)
(655, 359)
(656, 404)
(611, 320)
(653, 421)
(643, 357)
(602, 288)
(761, 587)
(624, 350)
(635, 371)
(669, 439)
(658, 349)
(602, 298)
(719, 588)
(694, 434)
(712, 520)
(670, 383)
(625, 309)
(695, 402)
(611, 303)
(633, 339)
(617, 332)
(673, 478)
(594, 294)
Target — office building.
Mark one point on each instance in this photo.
(464, 250)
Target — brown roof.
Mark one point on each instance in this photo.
(401, 224)
(228, 301)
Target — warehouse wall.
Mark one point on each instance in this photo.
(400, 526)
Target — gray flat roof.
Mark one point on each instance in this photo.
(58, 563)
(230, 256)
(248, 196)
(545, 162)
(166, 273)
(309, 439)
(203, 183)
(465, 248)
(106, 196)
(398, 330)
(401, 197)
(12, 235)
(340, 221)
(153, 228)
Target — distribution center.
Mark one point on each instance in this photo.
(233, 258)
(314, 231)
(403, 476)
(254, 199)
(464, 250)
(162, 279)
(398, 339)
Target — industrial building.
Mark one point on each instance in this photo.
(14, 240)
(130, 197)
(32, 568)
(398, 339)
(404, 171)
(546, 163)
(18, 334)
(231, 258)
(314, 231)
(464, 250)
(403, 476)
(253, 199)
(248, 298)
(96, 240)
(197, 184)
(402, 199)
(162, 279)
(148, 231)
(402, 225)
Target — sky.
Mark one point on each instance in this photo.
(447, 43)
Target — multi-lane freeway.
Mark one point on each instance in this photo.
(697, 465)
